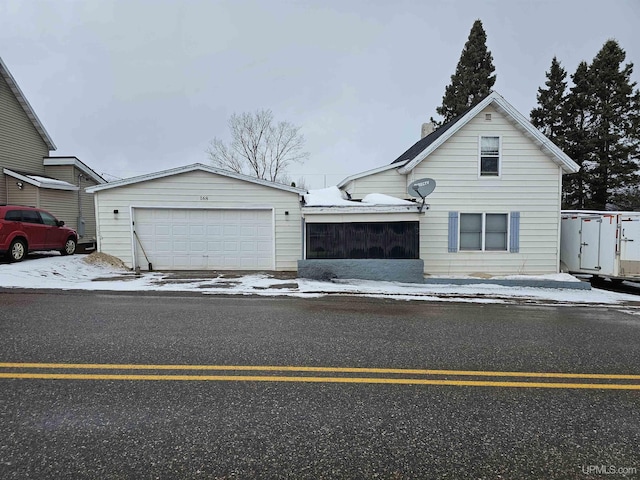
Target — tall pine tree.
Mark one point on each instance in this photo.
(577, 139)
(598, 125)
(550, 115)
(474, 77)
(615, 120)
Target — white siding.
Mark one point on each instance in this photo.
(529, 183)
(185, 191)
(389, 182)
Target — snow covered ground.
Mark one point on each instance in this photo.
(73, 273)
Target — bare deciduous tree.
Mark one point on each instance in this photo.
(259, 146)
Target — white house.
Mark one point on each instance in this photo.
(495, 211)
(199, 218)
(496, 207)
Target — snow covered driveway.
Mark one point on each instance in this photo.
(74, 273)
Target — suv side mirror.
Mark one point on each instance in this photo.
(60, 223)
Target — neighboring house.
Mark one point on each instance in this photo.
(496, 207)
(30, 176)
(199, 218)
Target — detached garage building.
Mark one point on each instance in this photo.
(199, 218)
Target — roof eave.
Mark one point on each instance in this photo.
(76, 162)
(26, 106)
(191, 168)
(354, 209)
(373, 171)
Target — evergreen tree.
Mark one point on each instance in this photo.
(598, 126)
(474, 77)
(615, 121)
(550, 115)
(577, 139)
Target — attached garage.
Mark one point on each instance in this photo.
(200, 218)
(206, 239)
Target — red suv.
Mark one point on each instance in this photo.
(27, 229)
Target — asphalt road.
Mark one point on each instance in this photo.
(145, 419)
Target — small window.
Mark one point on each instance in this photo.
(489, 156)
(470, 231)
(495, 231)
(484, 232)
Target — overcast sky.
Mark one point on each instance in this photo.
(135, 86)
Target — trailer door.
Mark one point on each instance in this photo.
(590, 243)
(630, 246)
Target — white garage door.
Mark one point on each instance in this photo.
(182, 239)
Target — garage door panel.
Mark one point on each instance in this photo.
(264, 231)
(179, 239)
(197, 230)
(263, 247)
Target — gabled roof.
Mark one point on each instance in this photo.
(423, 148)
(40, 181)
(423, 143)
(55, 161)
(24, 103)
(192, 168)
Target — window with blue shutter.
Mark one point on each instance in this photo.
(514, 243)
(453, 231)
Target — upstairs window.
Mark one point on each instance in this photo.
(489, 156)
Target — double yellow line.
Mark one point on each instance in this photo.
(397, 376)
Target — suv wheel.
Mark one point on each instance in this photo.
(69, 247)
(17, 250)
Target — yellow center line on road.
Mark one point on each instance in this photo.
(370, 380)
(286, 368)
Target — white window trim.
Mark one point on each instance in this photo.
(484, 232)
(489, 177)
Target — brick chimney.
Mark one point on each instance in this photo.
(427, 128)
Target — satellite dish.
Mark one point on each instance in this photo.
(422, 187)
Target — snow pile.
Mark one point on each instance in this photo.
(327, 197)
(334, 197)
(382, 199)
(556, 277)
(99, 258)
(51, 181)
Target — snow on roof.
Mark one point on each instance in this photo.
(334, 197)
(327, 197)
(52, 181)
(382, 199)
(41, 182)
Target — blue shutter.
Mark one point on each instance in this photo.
(453, 231)
(514, 244)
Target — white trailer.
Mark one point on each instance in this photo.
(603, 244)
